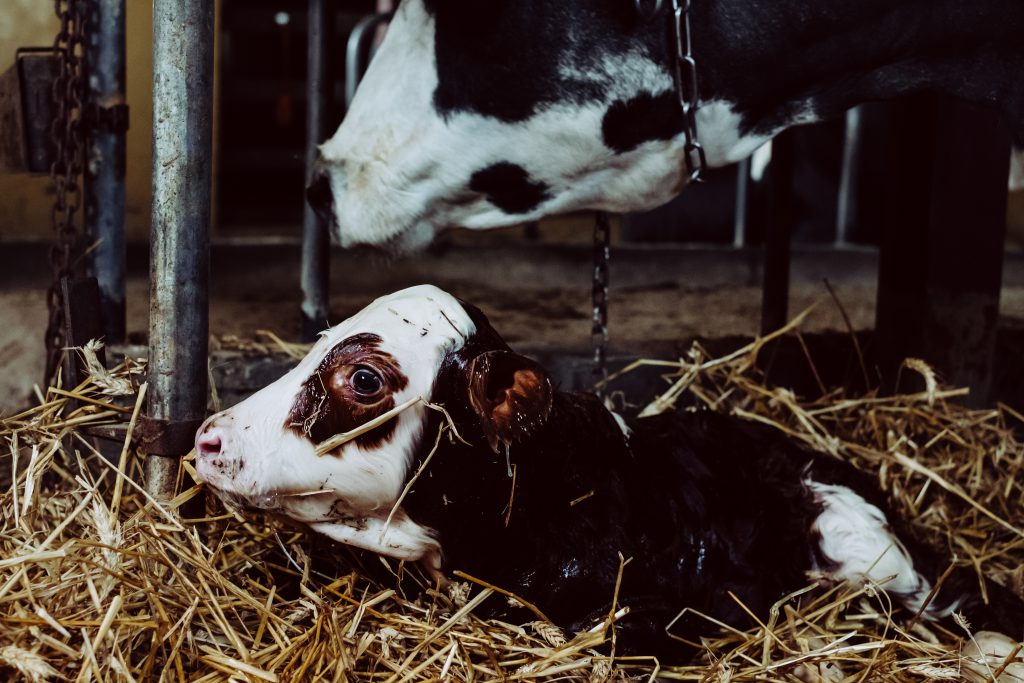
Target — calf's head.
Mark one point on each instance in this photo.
(419, 343)
(484, 114)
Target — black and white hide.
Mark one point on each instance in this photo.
(704, 505)
(484, 114)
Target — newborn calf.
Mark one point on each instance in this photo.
(546, 490)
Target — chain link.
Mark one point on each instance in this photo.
(599, 298)
(68, 138)
(686, 87)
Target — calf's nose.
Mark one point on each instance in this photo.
(208, 444)
(209, 438)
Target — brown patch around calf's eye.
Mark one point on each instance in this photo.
(336, 398)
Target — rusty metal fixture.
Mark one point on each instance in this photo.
(26, 111)
(166, 438)
(68, 139)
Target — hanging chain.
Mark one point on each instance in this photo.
(696, 163)
(686, 87)
(68, 138)
(599, 297)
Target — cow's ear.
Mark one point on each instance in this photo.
(510, 394)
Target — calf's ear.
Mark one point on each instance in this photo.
(510, 394)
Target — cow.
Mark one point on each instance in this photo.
(486, 467)
(486, 114)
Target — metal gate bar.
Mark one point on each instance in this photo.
(316, 248)
(846, 209)
(358, 46)
(778, 233)
(107, 117)
(179, 262)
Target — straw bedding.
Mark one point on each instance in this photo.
(98, 582)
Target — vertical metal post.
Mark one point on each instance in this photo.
(107, 116)
(847, 205)
(360, 43)
(781, 221)
(739, 223)
(179, 263)
(316, 248)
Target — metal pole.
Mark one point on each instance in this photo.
(846, 212)
(739, 224)
(316, 248)
(107, 116)
(179, 261)
(778, 233)
(359, 44)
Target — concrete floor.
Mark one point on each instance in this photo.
(537, 295)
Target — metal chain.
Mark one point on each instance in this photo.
(696, 163)
(686, 87)
(599, 297)
(68, 139)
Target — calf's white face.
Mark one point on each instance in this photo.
(261, 454)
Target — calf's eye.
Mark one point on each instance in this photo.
(366, 382)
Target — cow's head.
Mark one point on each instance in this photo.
(484, 114)
(417, 343)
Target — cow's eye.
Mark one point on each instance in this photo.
(366, 382)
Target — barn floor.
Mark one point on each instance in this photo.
(537, 295)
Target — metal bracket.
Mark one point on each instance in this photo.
(26, 111)
(163, 438)
(167, 438)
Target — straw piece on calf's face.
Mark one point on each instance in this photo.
(546, 492)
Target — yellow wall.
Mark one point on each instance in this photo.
(25, 200)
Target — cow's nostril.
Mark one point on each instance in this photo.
(318, 194)
(208, 444)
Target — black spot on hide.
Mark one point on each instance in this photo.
(508, 186)
(629, 123)
(503, 59)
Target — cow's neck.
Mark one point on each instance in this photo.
(465, 491)
(767, 66)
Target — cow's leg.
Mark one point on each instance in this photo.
(902, 265)
(858, 543)
(942, 244)
(965, 248)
